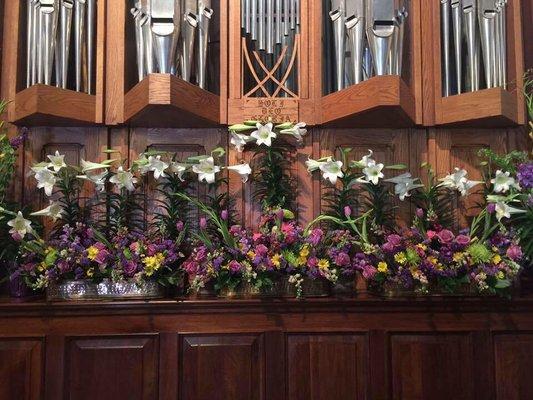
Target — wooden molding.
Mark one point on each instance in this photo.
(42, 105)
(164, 100)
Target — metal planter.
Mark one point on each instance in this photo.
(70, 290)
(129, 290)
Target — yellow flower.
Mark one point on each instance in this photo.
(41, 267)
(500, 275)
(383, 267)
(302, 260)
(304, 252)
(323, 263)
(276, 260)
(400, 258)
(152, 264)
(90, 272)
(251, 255)
(496, 259)
(433, 260)
(458, 256)
(92, 253)
(422, 246)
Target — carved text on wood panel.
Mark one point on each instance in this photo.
(275, 110)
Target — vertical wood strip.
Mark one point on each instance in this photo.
(115, 62)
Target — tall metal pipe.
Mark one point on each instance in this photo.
(472, 43)
(380, 30)
(64, 42)
(79, 30)
(204, 17)
(445, 46)
(457, 28)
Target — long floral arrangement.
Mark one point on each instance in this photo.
(104, 232)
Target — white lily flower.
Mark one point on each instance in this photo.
(97, 179)
(238, 140)
(124, 179)
(20, 225)
(503, 182)
(54, 211)
(206, 170)
(264, 134)
(458, 181)
(178, 169)
(46, 179)
(313, 165)
(365, 161)
(243, 170)
(331, 170)
(38, 167)
(157, 166)
(404, 183)
(467, 186)
(373, 172)
(57, 161)
(298, 131)
(91, 166)
(503, 210)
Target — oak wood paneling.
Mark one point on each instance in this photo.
(431, 366)
(21, 368)
(326, 366)
(513, 354)
(219, 367)
(114, 368)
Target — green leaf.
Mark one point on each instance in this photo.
(218, 152)
(241, 127)
(502, 284)
(396, 166)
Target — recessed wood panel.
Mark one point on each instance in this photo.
(222, 367)
(114, 368)
(21, 362)
(431, 366)
(324, 367)
(513, 355)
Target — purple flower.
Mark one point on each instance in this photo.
(16, 236)
(525, 175)
(419, 213)
(347, 211)
(129, 268)
(394, 240)
(203, 223)
(234, 266)
(224, 215)
(462, 240)
(445, 236)
(342, 259)
(179, 226)
(315, 236)
(514, 252)
(280, 214)
(491, 208)
(17, 141)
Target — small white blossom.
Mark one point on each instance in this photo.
(298, 131)
(264, 134)
(503, 210)
(46, 180)
(157, 166)
(331, 170)
(404, 183)
(20, 225)
(373, 172)
(366, 160)
(459, 181)
(206, 170)
(313, 165)
(124, 179)
(238, 140)
(97, 179)
(54, 211)
(503, 182)
(243, 170)
(57, 161)
(178, 169)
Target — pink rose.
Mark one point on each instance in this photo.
(445, 236)
(462, 240)
(514, 252)
(431, 234)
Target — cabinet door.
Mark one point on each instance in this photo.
(432, 366)
(513, 354)
(21, 368)
(327, 366)
(114, 368)
(220, 367)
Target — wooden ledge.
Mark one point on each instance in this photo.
(43, 105)
(488, 108)
(383, 101)
(166, 101)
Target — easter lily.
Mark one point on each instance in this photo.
(331, 170)
(20, 225)
(264, 134)
(206, 170)
(503, 182)
(243, 170)
(298, 131)
(124, 179)
(54, 211)
(403, 185)
(46, 180)
(373, 172)
(57, 161)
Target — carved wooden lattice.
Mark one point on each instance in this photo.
(278, 85)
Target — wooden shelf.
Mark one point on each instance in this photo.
(488, 108)
(383, 101)
(166, 101)
(42, 105)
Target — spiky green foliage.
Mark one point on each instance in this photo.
(378, 199)
(274, 186)
(344, 194)
(69, 189)
(436, 201)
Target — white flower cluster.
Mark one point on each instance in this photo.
(263, 135)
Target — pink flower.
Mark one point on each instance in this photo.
(419, 213)
(234, 266)
(431, 234)
(462, 240)
(16, 236)
(179, 226)
(347, 211)
(224, 215)
(514, 252)
(203, 223)
(261, 250)
(342, 259)
(312, 262)
(287, 228)
(368, 271)
(445, 236)
(395, 240)
(257, 237)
